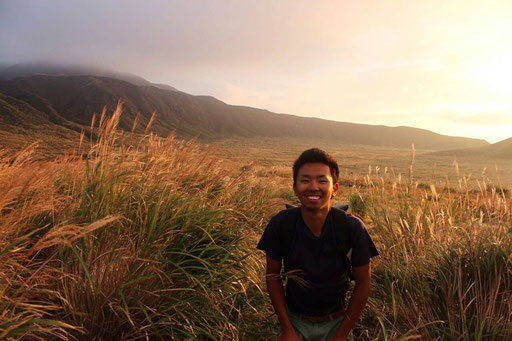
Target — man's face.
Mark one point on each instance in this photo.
(314, 186)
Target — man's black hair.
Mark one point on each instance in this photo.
(316, 155)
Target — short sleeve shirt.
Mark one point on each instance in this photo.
(320, 284)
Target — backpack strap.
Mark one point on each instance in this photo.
(289, 219)
(342, 237)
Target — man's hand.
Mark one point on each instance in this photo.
(362, 275)
(276, 292)
(288, 335)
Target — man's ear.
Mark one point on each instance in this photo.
(335, 188)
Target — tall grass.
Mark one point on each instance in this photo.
(148, 238)
(445, 269)
(144, 242)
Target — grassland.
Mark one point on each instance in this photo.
(155, 240)
(358, 160)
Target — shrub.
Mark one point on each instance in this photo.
(358, 203)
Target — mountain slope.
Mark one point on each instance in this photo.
(70, 101)
(21, 124)
(498, 150)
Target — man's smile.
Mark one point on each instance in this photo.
(315, 187)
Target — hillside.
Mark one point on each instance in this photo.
(498, 150)
(71, 101)
(22, 124)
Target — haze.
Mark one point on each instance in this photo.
(438, 65)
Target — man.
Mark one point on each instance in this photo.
(313, 307)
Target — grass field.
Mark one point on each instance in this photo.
(357, 160)
(156, 241)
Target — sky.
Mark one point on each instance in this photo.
(444, 66)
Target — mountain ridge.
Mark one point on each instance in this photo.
(501, 150)
(49, 68)
(71, 100)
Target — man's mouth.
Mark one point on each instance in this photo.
(313, 197)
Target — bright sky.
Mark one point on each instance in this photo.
(443, 65)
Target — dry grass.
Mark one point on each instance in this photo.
(356, 160)
(154, 239)
(445, 269)
(144, 241)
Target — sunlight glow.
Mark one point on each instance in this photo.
(496, 73)
(434, 64)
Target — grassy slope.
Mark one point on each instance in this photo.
(156, 241)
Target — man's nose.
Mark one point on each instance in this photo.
(313, 185)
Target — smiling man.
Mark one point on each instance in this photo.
(322, 248)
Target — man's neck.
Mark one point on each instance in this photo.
(314, 219)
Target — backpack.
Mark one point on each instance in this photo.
(341, 232)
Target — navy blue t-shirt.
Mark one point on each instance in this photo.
(320, 266)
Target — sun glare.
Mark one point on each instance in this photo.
(496, 73)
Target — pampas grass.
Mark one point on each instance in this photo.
(141, 237)
(140, 241)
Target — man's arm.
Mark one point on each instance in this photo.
(362, 275)
(276, 291)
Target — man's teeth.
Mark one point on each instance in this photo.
(313, 197)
